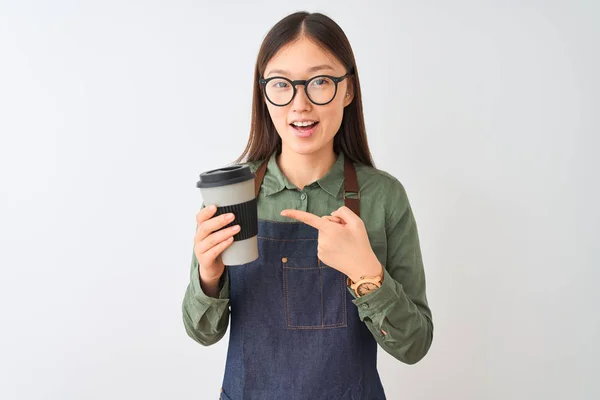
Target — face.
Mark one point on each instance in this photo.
(302, 59)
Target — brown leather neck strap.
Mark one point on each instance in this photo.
(260, 175)
(350, 183)
(351, 186)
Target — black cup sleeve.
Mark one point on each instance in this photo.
(246, 216)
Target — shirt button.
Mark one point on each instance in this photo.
(365, 305)
(303, 196)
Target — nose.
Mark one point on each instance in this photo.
(300, 102)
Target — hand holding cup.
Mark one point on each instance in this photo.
(211, 240)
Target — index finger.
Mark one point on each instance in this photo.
(205, 213)
(307, 218)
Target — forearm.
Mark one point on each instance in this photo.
(209, 287)
(205, 325)
(205, 317)
(401, 327)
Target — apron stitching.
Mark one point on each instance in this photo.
(322, 305)
(278, 222)
(320, 266)
(340, 325)
(345, 314)
(285, 286)
(283, 240)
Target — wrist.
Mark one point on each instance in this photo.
(373, 268)
(210, 286)
(208, 276)
(368, 280)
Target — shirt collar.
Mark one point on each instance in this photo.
(275, 181)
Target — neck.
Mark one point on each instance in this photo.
(304, 169)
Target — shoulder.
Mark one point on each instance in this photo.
(383, 188)
(376, 179)
(253, 165)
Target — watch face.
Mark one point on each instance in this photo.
(366, 288)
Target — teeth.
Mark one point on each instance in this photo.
(306, 123)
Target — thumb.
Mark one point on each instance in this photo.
(346, 215)
(337, 220)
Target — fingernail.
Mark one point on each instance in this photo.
(229, 217)
(212, 207)
(236, 228)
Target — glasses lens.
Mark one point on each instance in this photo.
(321, 89)
(279, 91)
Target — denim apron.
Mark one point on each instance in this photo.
(295, 333)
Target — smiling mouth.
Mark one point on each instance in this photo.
(305, 128)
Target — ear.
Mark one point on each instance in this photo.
(349, 96)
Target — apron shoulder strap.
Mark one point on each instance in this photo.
(351, 186)
(260, 175)
(350, 183)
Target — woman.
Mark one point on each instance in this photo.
(339, 266)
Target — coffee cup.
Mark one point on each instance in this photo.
(231, 189)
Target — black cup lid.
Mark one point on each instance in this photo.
(225, 176)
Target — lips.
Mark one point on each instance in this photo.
(304, 131)
(304, 123)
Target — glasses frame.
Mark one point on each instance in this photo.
(305, 83)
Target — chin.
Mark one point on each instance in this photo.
(307, 148)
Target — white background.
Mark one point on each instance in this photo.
(487, 112)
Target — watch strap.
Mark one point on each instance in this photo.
(376, 280)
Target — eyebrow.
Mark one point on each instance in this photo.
(311, 69)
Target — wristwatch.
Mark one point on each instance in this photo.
(365, 284)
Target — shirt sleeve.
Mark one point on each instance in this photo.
(397, 314)
(205, 318)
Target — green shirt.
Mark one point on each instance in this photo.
(397, 314)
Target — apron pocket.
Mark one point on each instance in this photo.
(314, 294)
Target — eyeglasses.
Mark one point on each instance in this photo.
(320, 89)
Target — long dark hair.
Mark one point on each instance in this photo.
(351, 138)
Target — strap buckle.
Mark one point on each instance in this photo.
(357, 194)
